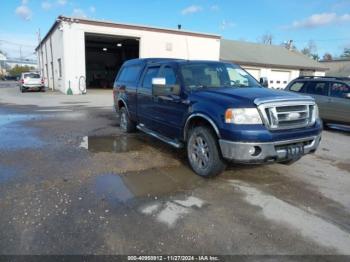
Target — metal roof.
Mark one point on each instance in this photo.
(254, 54)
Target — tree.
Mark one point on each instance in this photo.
(346, 53)
(327, 57)
(266, 39)
(311, 50)
(17, 70)
(289, 45)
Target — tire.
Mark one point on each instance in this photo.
(325, 125)
(203, 152)
(127, 125)
(23, 90)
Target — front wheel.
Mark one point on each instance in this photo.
(203, 152)
(125, 123)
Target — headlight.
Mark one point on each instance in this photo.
(242, 116)
(314, 115)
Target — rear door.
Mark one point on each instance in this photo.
(32, 79)
(339, 104)
(320, 90)
(145, 104)
(170, 109)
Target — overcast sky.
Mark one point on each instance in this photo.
(327, 22)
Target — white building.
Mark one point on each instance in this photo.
(278, 64)
(79, 53)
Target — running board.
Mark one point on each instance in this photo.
(155, 134)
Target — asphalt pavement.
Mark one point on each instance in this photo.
(72, 183)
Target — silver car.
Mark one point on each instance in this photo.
(31, 81)
(332, 95)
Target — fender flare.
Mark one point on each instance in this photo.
(211, 122)
(125, 104)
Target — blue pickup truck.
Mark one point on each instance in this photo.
(217, 111)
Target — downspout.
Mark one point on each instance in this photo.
(47, 66)
(52, 68)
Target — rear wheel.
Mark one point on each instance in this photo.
(125, 123)
(203, 152)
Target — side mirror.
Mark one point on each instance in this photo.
(347, 95)
(264, 82)
(159, 87)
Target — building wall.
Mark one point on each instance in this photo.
(278, 78)
(49, 54)
(68, 43)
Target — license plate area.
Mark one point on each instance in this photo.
(294, 151)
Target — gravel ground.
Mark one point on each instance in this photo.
(72, 183)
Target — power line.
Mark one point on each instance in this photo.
(18, 44)
(323, 40)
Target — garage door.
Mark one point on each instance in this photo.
(279, 79)
(254, 72)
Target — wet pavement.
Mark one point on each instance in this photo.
(72, 183)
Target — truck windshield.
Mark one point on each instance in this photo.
(215, 75)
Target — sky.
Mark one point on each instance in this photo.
(326, 22)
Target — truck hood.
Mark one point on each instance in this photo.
(252, 95)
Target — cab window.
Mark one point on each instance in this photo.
(339, 90)
(318, 88)
(129, 74)
(151, 73)
(170, 76)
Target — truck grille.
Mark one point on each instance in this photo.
(288, 115)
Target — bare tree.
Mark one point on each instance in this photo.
(311, 50)
(289, 45)
(327, 57)
(266, 39)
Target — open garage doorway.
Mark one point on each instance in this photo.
(104, 55)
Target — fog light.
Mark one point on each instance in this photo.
(254, 150)
(251, 150)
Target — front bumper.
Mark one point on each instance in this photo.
(242, 152)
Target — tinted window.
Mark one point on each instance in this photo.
(170, 76)
(318, 88)
(297, 87)
(151, 73)
(130, 74)
(339, 89)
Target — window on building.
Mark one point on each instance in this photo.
(59, 67)
(318, 88)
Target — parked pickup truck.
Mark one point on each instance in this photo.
(217, 111)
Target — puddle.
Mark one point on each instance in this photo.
(113, 144)
(6, 174)
(112, 187)
(148, 183)
(14, 135)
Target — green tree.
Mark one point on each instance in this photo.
(17, 70)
